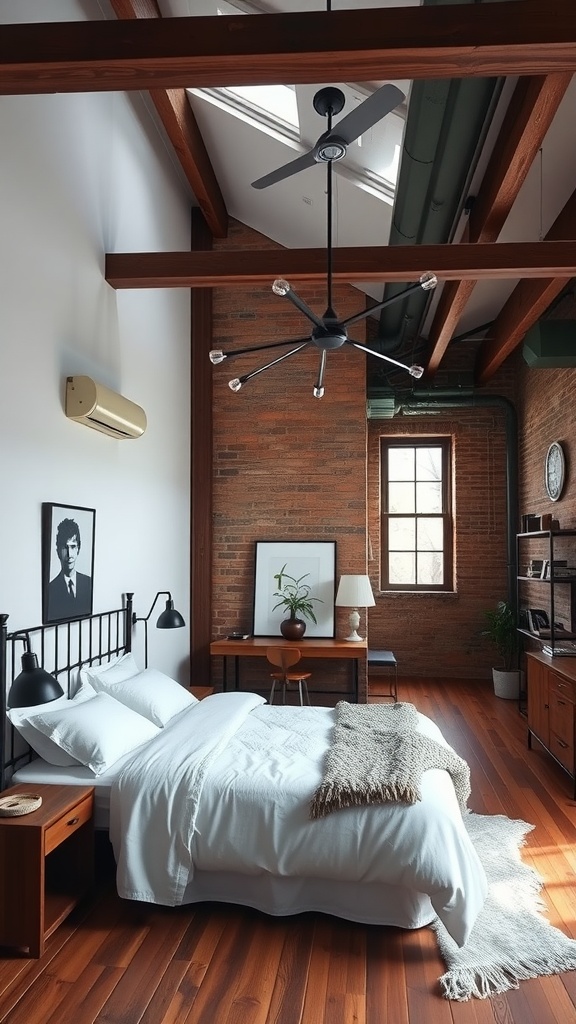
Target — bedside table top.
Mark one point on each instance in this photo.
(56, 801)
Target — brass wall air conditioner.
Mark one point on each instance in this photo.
(102, 409)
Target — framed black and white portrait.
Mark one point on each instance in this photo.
(68, 535)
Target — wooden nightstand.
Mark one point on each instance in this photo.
(46, 863)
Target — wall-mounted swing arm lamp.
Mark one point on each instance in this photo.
(354, 592)
(170, 618)
(33, 685)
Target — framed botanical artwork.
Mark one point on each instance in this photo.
(311, 562)
(68, 535)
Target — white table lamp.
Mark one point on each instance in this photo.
(354, 592)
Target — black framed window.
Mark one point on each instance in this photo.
(416, 525)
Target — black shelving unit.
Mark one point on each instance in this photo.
(552, 544)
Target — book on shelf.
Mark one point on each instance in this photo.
(559, 633)
(563, 650)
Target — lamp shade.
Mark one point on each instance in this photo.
(354, 592)
(34, 685)
(170, 618)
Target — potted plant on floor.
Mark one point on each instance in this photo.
(502, 633)
(295, 597)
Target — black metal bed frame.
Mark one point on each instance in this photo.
(62, 649)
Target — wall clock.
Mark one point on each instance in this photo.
(554, 470)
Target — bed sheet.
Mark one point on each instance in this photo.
(227, 789)
(40, 772)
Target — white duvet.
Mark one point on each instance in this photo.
(226, 787)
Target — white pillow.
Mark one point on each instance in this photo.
(114, 671)
(96, 732)
(150, 693)
(44, 747)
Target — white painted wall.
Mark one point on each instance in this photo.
(82, 175)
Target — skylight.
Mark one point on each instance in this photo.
(373, 159)
(279, 101)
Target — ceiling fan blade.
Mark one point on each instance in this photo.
(300, 164)
(371, 110)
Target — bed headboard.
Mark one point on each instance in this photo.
(62, 649)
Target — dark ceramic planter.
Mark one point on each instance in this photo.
(292, 629)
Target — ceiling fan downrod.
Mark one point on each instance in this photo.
(329, 332)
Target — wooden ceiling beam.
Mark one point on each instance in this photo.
(529, 115)
(406, 263)
(527, 303)
(518, 37)
(182, 129)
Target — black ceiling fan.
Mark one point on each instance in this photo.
(329, 332)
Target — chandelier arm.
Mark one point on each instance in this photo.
(257, 348)
(380, 305)
(301, 305)
(248, 376)
(414, 371)
(319, 386)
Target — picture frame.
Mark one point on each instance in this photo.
(68, 544)
(314, 559)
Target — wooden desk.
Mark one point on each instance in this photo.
(255, 647)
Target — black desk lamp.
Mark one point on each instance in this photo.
(170, 618)
(34, 685)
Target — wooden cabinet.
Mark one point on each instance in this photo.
(46, 863)
(551, 689)
(538, 700)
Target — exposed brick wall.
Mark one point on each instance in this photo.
(438, 634)
(287, 466)
(547, 413)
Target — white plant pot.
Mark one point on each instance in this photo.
(506, 684)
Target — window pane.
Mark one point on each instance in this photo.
(430, 569)
(417, 530)
(401, 534)
(401, 464)
(401, 498)
(430, 534)
(428, 498)
(428, 463)
(402, 568)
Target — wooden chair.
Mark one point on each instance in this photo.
(285, 658)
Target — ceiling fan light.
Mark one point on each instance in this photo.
(216, 356)
(428, 281)
(318, 392)
(280, 286)
(416, 371)
(235, 384)
(333, 149)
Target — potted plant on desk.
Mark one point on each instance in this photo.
(502, 633)
(295, 597)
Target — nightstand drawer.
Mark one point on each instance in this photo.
(68, 824)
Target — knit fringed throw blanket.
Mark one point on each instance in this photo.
(377, 755)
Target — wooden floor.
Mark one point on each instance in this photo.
(122, 963)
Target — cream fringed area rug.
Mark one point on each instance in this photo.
(511, 940)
